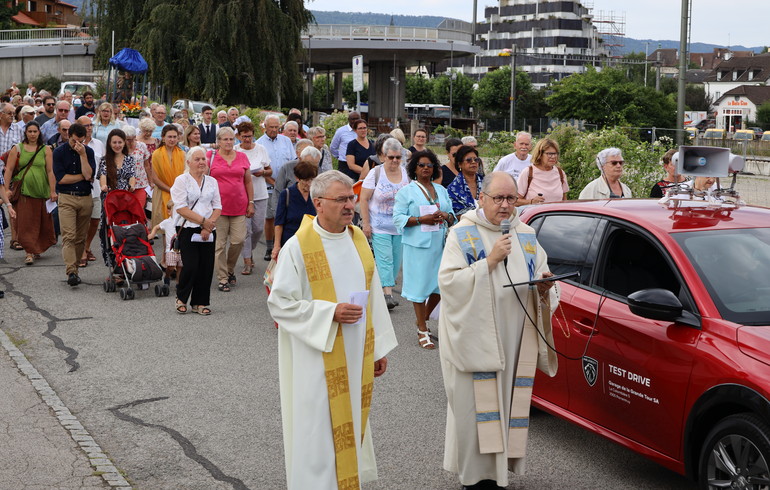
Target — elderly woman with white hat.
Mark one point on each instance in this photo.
(608, 184)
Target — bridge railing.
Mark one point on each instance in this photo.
(37, 37)
(384, 33)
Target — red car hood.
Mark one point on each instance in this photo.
(755, 342)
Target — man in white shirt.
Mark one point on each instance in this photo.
(281, 150)
(519, 159)
(208, 128)
(96, 211)
(343, 136)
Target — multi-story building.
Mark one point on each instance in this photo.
(552, 39)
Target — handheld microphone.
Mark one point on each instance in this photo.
(505, 228)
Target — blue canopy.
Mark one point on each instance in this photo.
(129, 60)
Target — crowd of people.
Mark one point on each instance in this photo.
(217, 187)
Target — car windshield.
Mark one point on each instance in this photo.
(743, 136)
(733, 265)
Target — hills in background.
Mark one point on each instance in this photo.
(369, 18)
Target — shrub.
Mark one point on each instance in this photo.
(48, 82)
(578, 158)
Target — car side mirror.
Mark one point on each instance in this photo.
(655, 304)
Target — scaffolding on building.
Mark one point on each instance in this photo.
(611, 27)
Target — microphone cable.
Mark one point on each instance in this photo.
(602, 299)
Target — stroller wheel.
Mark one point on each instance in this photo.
(166, 290)
(158, 290)
(123, 294)
(129, 293)
(106, 286)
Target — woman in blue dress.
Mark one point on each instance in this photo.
(465, 189)
(422, 213)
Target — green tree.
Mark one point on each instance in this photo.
(494, 92)
(462, 92)
(7, 10)
(243, 51)
(608, 98)
(349, 95)
(696, 98)
(635, 71)
(763, 115)
(419, 89)
(319, 91)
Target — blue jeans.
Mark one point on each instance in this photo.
(387, 256)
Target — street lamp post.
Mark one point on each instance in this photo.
(512, 99)
(451, 75)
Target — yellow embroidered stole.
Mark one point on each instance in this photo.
(335, 364)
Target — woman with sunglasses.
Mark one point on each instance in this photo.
(465, 188)
(378, 195)
(357, 152)
(422, 212)
(608, 184)
(544, 180)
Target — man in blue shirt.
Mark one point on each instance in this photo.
(281, 150)
(343, 136)
(74, 167)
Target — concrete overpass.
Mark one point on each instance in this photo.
(387, 51)
(26, 54)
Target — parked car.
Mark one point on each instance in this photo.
(744, 135)
(665, 336)
(692, 132)
(78, 88)
(193, 107)
(714, 134)
(758, 132)
(765, 136)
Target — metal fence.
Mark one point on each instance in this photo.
(385, 33)
(38, 37)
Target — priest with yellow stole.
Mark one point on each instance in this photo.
(490, 346)
(333, 338)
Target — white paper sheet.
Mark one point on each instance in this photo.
(428, 209)
(50, 206)
(360, 298)
(196, 237)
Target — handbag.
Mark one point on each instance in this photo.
(15, 194)
(175, 238)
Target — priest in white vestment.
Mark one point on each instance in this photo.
(314, 319)
(488, 343)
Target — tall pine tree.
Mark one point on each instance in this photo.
(233, 51)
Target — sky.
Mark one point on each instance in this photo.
(734, 22)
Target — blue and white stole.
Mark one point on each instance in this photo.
(489, 425)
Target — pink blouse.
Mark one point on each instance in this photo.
(232, 189)
(546, 182)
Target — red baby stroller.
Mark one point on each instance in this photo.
(131, 257)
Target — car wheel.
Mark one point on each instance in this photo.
(736, 454)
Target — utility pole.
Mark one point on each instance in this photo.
(646, 49)
(512, 108)
(682, 73)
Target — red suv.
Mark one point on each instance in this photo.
(665, 335)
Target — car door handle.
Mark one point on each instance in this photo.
(585, 326)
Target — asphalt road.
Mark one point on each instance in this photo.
(185, 401)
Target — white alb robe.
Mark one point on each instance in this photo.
(480, 328)
(306, 330)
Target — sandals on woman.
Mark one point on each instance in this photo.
(248, 266)
(181, 308)
(224, 287)
(424, 339)
(201, 310)
(15, 245)
(231, 279)
(29, 259)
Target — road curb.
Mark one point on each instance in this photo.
(96, 457)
